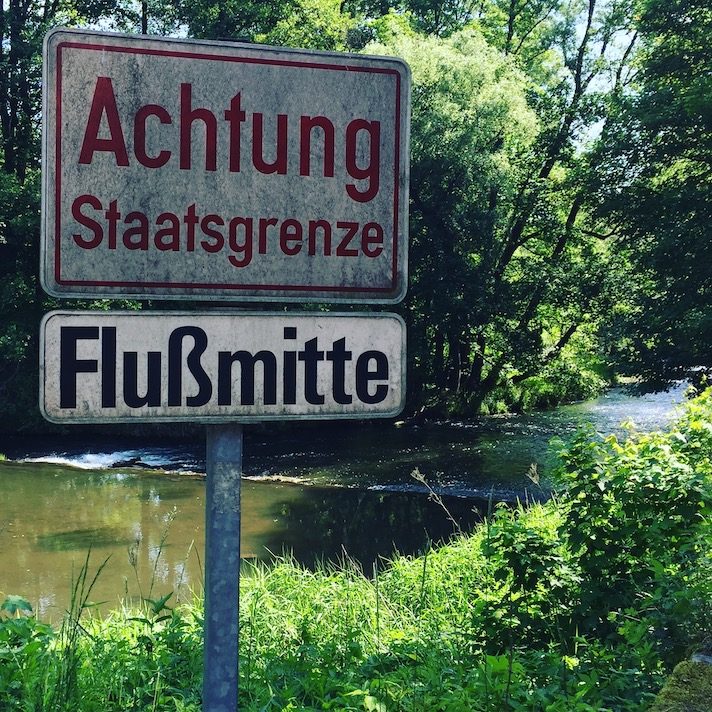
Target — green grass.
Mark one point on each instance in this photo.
(584, 603)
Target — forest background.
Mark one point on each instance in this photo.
(560, 211)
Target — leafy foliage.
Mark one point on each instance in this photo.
(316, 24)
(656, 190)
(580, 604)
(560, 183)
(506, 280)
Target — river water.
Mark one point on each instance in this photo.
(318, 493)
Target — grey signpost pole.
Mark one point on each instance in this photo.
(222, 566)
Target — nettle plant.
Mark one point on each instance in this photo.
(532, 569)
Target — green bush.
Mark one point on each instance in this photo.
(581, 604)
(638, 523)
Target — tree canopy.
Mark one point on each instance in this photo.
(560, 173)
(656, 193)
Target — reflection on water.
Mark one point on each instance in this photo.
(151, 527)
(319, 493)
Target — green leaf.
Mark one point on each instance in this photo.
(371, 704)
(14, 604)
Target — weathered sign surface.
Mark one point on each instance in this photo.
(164, 366)
(191, 169)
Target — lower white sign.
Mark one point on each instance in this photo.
(100, 367)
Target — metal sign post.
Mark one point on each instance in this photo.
(219, 368)
(222, 567)
(187, 169)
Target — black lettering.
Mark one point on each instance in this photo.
(289, 376)
(247, 376)
(175, 366)
(70, 365)
(311, 357)
(108, 367)
(152, 396)
(364, 375)
(339, 356)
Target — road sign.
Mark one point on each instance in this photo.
(187, 169)
(100, 367)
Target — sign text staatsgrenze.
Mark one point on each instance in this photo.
(186, 169)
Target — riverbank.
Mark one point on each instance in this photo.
(579, 604)
(310, 492)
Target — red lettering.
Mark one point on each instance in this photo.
(103, 101)
(372, 234)
(243, 236)
(372, 171)
(212, 233)
(279, 165)
(290, 231)
(87, 222)
(113, 216)
(191, 220)
(325, 228)
(187, 116)
(140, 231)
(343, 250)
(243, 249)
(140, 135)
(264, 224)
(235, 116)
(172, 233)
(306, 124)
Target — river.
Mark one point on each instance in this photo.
(319, 493)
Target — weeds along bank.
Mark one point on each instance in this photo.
(582, 603)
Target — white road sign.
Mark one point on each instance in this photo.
(100, 367)
(214, 170)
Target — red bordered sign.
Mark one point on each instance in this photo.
(190, 170)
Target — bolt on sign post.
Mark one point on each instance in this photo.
(191, 170)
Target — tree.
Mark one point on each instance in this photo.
(509, 268)
(23, 24)
(312, 24)
(657, 188)
(230, 19)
